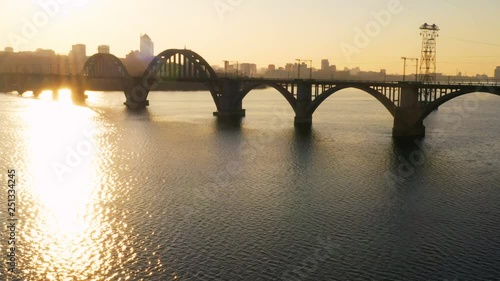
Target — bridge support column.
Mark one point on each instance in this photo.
(78, 90)
(3, 84)
(136, 93)
(78, 96)
(407, 117)
(229, 106)
(304, 99)
(131, 103)
(37, 92)
(55, 94)
(136, 105)
(18, 85)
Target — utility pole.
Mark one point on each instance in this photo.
(298, 64)
(310, 69)
(404, 67)
(299, 61)
(416, 71)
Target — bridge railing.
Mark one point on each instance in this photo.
(467, 83)
(484, 83)
(291, 80)
(390, 82)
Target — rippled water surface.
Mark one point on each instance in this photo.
(171, 194)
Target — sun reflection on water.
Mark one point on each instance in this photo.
(71, 232)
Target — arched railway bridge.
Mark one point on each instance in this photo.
(408, 102)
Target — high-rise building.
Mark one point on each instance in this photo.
(79, 51)
(77, 58)
(46, 53)
(325, 65)
(248, 69)
(147, 46)
(9, 50)
(497, 73)
(103, 49)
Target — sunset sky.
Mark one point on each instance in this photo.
(266, 31)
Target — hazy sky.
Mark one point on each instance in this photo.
(266, 31)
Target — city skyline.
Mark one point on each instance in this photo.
(145, 53)
(371, 35)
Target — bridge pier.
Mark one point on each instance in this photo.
(78, 96)
(136, 105)
(37, 92)
(303, 117)
(78, 91)
(55, 94)
(407, 123)
(408, 116)
(3, 84)
(231, 114)
(136, 93)
(229, 105)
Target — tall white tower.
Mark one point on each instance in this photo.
(147, 46)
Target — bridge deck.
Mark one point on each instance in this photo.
(495, 84)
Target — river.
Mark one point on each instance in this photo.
(170, 193)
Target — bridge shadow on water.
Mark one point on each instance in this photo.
(228, 124)
(301, 132)
(407, 157)
(138, 114)
(407, 146)
(303, 144)
(304, 132)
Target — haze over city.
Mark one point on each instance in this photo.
(253, 31)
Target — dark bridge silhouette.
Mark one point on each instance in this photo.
(408, 102)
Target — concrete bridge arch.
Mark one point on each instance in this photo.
(253, 85)
(385, 101)
(435, 104)
(173, 65)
